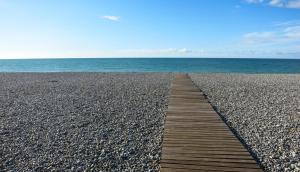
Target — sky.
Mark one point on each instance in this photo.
(149, 28)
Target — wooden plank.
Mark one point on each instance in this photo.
(188, 167)
(189, 96)
(196, 138)
(203, 145)
(201, 156)
(210, 159)
(186, 107)
(215, 162)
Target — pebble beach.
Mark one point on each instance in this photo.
(263, 110)
(115, 121)
(81, 121)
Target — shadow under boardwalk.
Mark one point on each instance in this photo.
(196, 138)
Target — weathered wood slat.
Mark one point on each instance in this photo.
(200, 156)
(196, 138)
(185, 167)
(214, 163)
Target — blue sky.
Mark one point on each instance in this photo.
(149, 28)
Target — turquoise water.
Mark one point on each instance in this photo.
(153, 65)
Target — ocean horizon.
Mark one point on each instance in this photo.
(196, 65)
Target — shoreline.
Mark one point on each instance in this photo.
(186, 65)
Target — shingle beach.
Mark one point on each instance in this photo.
(115, 121)
(264, 110)
(82, 121)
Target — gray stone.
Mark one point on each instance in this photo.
(262, 109)
(60, 121)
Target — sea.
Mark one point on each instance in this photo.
(195, 65)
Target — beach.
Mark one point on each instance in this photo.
(263, 110)
(115, 121)
(149, 86)
(81, 121)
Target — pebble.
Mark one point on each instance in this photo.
(263, 110)
(80, 121)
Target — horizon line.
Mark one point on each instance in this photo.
(144, 57)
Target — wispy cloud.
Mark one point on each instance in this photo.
(288, 54)
(111, 18)
(287, 23)
(278, 3)
(294, 4)
(259, 37)
(167, 51)
(184, 51)
(283, 35)
(292, 32)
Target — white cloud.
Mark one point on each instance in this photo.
(112, 18)
(287, 23)
(285, 35)
(292, 32)
(184, 51)
(259, 37)
(151, 52)
(168, 52)
(294, 4)
(292, 29)
(278, 3)
(288, 53)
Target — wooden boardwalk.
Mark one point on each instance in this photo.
(196, 138)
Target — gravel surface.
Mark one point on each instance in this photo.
(82, 121)
(264, 110)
